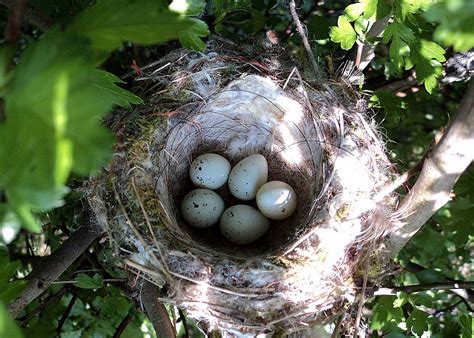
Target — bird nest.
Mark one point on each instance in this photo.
(316, 136)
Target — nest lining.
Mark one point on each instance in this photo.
(302, 272)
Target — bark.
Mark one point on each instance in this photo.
(156, 312)
(53, 266)
(442, 168)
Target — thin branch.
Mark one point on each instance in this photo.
(31, 14)
(67, 311)
(183, 320)
(54, 265)
(424, 287)
(302, 33)
(51, 300)
(156, 311)
(122, 326)
(442, 168)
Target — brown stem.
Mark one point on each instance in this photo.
(53, 266)
(156, 311)
(66, 312)
(441, 169)
(31, 15)
(122, 326)
(302, 33)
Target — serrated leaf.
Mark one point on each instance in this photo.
(455, 23)
(383, 313)
(417, 322)
(142, 22)
(8, 326)
(83, 281)
(402, 299)
(192, 39)
(396, 29)
(427, 56)
(398, 52)
(53, 105)
(353, 11)
(343, 33)
(403, 8)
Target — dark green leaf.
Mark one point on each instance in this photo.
(8, 327)
(417, 322)
(192, 39)
(427, 57)
(467, 326)
(142, 22)
(456, 27)
(83, 281)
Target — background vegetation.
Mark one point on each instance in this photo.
(60, 73)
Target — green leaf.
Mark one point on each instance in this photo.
(383, 313)
(83, 281)
(343, 33)
(417, 322)
(8, 327)
(191, 39)
(427, 56)
(467, 326)
(393, 105)
(398, 52)
(109, 23)
(402, 299)
(6, 57)
(9, 289)
(455, 23)
(54, 102)
(396, 29)
(403, 8)
(354, 11)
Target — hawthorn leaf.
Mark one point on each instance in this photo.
(354, 11)
(142, 22)
(83, 281)
(455, 23)
(343, 33)
(417, 322)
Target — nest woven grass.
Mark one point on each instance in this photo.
(316, 136)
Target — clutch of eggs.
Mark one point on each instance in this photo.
(247, 180)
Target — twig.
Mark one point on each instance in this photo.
(51, 300)
(182, 317)
(157, 312)
(122, 326)
(442, 168)
(302, 33)
(31, 15)
(67, 311)
(54, 265)
(424, 287)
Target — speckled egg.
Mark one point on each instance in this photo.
(242, 224)
(202, 208)
(276, 200)
(248, 176)
(209, 171)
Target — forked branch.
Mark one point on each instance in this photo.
(441, 170)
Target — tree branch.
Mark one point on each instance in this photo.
(66, 312)
(54, 265)
(156, 311)
(49, 301)
(424, 287)
(442, 168)
(122, 326)
(302, 33)
(31, 15)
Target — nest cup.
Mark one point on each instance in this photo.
(315, 137)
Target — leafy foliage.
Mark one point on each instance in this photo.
(59, 85)
(407, 46)
(455, 18)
